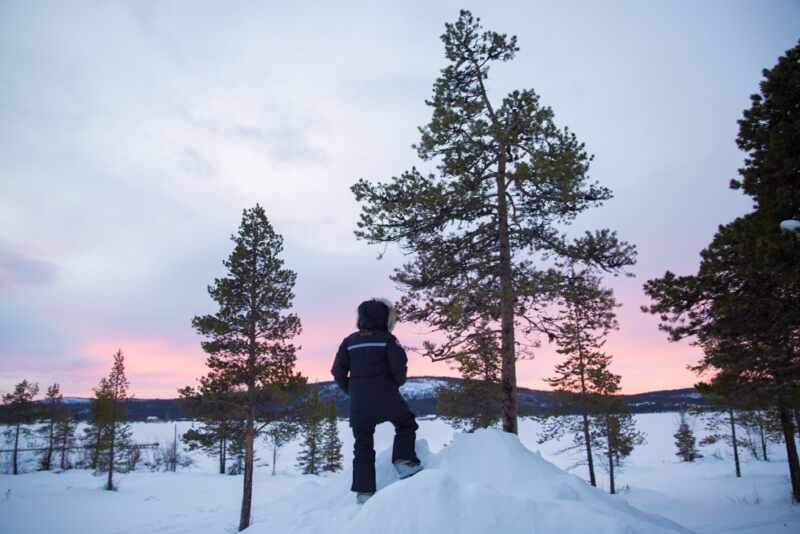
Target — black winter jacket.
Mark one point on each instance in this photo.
(370, 367)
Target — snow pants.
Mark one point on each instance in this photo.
(405, 437)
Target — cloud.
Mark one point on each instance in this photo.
(17, 270)
(132, 134)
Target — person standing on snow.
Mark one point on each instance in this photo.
(370, 366)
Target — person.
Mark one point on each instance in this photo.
(370, 366)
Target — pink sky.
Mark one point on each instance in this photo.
(157, 367)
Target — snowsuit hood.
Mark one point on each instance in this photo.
(376, 314)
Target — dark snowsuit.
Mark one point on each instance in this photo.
(370, 367)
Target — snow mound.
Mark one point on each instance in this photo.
(482, 482)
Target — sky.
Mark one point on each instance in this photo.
(133, 134)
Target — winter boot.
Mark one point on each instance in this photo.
(361, 497)
(406, 468)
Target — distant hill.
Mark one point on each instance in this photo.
(420, 393)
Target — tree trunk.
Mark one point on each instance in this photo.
(96, 451)
(222, 454)
(611, 487)
(174, 465)
(797, 421)
(587, 440)
(247, 494)
(735, 444)
(48, 458)
(274, 456)
(14, 454)
(585, 400)
(791, 449)
(763, 441)
(509, 372)
(110, 481)
(64, 452)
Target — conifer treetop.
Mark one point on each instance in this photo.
(449, 220)
(248, 338)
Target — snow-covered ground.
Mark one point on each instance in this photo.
(481, 483)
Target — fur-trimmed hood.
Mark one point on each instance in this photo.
(376, 314)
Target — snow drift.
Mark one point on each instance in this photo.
(482, 482)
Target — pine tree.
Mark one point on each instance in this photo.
(64, 437)
(113, 434)
(278, 434)
(722, 427)
(331, 444)
(614, 424)
(617, 428)
(20, 411)
(580, 329)
(685, 441)
(476, 401)
(218, 408)
(249, 337)
(743, 305)
(762, 427)
(50, 414)
(310, 457)
(236, 452)
(507, 179)
(95, 429)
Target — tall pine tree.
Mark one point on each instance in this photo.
(507, 178)
(249, 337)
(743, 305)
(19, 412)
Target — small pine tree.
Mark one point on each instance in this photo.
(617, 430)
(309, 460)
(64, 437)
(476, 401)
(20, 411)
(721, 427)
(113, 433)
(762, 427)
(685, 441)
(217, 406)
(278, 434)
(236, 453)
(50, 414)
(585, 317)
(331, 444)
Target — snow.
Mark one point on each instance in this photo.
(481, 482)
(76, 400)
(790, 225)
(421, 387)
(472, 483)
